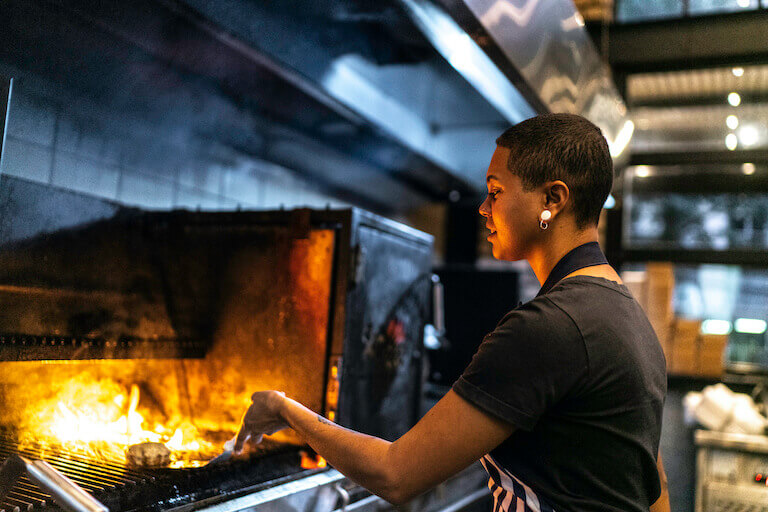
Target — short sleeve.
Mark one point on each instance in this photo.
(524, 367)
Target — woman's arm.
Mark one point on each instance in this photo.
(450, 437)
(662, 504)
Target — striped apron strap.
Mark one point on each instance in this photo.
(510, 494)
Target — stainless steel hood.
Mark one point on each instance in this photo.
(381, 61)
(543, 43)
(386, 104)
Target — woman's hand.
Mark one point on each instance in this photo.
(261, 418)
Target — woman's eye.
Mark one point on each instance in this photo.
(493, 194)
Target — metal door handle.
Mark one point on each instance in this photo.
(344, 495)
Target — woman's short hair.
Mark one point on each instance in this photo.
(563, 147)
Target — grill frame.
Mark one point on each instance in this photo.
(360, 306)
(123, 487)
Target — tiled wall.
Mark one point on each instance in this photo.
(48, 144)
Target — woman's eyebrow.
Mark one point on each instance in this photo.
(491, 177)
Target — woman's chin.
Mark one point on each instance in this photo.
(500, 254)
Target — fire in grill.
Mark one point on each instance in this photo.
(157, 327)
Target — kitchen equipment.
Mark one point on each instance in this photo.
(176, 317)
(730, 472)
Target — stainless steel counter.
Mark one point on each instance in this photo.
(741, 442)
(331, 491)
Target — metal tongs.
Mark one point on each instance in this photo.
(64, 491)
(229, 450)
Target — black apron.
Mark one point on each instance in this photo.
(510, 494)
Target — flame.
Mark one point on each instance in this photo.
(263, 340)
(101, 418)
(312, 461)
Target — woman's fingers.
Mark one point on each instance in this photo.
(263, 395)
(257, 421)
(242, 437)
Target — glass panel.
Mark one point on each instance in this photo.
(698, 7)
(731, 296)
(698, 221)
(641, 10)
(719, 314)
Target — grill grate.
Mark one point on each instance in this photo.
(125, 488)
(27, 347)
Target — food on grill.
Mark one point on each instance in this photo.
(148, 454)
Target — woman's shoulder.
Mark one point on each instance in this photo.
(536, 317)
(587, 284)
(570, 290)
(559, 308)
(595, 301)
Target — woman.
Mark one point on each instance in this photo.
(562, 401)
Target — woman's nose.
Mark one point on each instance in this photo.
(484, 210)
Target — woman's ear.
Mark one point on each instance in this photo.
(557, 195)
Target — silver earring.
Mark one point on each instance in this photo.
(545, 216)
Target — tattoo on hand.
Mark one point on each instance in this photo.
(323, 420)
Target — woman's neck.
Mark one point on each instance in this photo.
(543, 259)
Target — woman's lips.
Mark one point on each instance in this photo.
(493, 233)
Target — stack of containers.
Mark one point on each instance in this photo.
(687, 350)
(694, 353)
(684, 344)
(653, 289)
(711, 353)
(661, 289)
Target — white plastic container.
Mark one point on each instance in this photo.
(714, 409)
(719, 408)
(745, 419)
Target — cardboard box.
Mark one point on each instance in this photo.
(667, 345)
(684, 362)
(636, 282)
(685, 347)
(659, 292)
(711, 353)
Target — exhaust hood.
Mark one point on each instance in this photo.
(386, 104)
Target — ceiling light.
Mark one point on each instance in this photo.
(734, 99)
(642, 171)
(748, 168)
(750, 325)
(748, 136)
(732, 122)
(744, 4)
(715, 327)
(622, 139)
(737, 71)
(731, 141)
(643, 123)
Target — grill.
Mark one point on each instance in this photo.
(174, 318)
(23, 347)
(122, 487)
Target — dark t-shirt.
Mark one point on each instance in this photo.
(581, 375)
